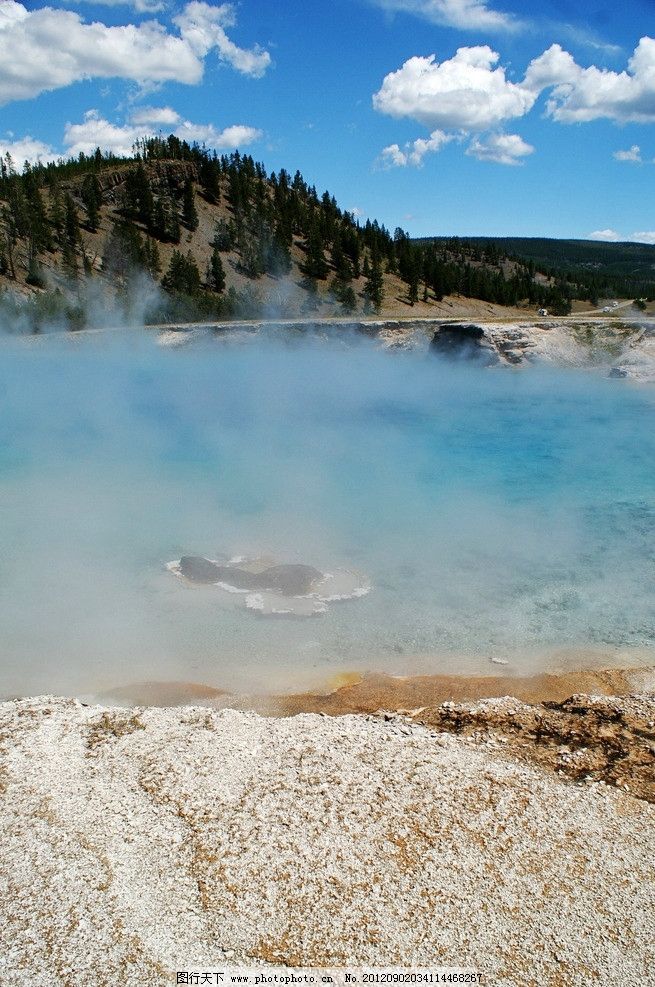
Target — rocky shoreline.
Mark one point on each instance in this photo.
(619, 346)
(513, 838)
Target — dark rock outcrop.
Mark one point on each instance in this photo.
(289, 580)
(467, 342)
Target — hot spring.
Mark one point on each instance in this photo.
(495, 514)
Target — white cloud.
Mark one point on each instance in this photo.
(633, 154)
(162, 116)
(203, 27)
(392, 157)
(583, 94)
(27, 149)
(140, 6)
(611, 236)
(507, 149)
(465, 92)
(95, 131)
(223, 140)
(469, 15)
(413, 152)
(471, 94)
(48, 49)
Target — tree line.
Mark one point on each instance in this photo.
(267, 223)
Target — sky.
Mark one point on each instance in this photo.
(444, 117)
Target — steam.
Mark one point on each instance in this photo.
(495, 514)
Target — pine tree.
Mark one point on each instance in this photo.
(183, 276)
(345, 295)
(92, 199)
(139, 200)
(34, 272)
(71, 235)
(124, 252)
(56, 212)
(189, 212)
(151, 257)
(278, 259)
(315, 266)
(216, 272)
(209, 172)
(37, 219)
(223, 236)
(374, 287)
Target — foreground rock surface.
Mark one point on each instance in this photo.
(137, 842)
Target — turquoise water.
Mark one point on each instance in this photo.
(497, 513)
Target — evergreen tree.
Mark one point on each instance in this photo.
(278, 261)
(183, 276)
(209, 173)
(92, 199)
(34, 272)
(312, 298)
(56, 212)
(151, 257)
(10, 239)
(71, 235)
(124, 252)
(38, 227)
(413, 276)
(315, 267)
(345, 295)
(215, 272)
(374, 287)
(223, 236)
(139, 200)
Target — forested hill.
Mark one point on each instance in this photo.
(221, 237)
(621, 269)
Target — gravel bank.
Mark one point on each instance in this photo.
(137, 842)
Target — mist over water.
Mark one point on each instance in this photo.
(496, 513)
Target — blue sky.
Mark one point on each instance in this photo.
(446, 117)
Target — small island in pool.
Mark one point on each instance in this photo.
(270, 588)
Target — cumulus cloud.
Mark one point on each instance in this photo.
(468, 15)
(48, 49)
(466, 92)
(471, 94)
(611, 236)
(583, 94)
(633, 154)
(27, 149)
(506, 149)
(140, 6)
(413, 152)
(95, 131)
(202, 26)
(150, 116)
(223, 140)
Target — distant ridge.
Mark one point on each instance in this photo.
(619, 259)
(178, 233)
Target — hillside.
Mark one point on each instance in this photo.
(178, 233)
(624, 270)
